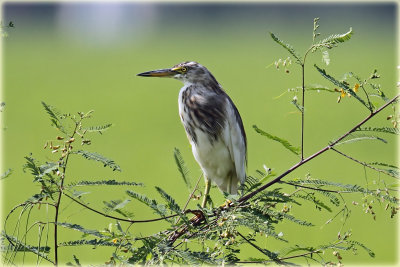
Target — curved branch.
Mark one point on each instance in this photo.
(117, 218)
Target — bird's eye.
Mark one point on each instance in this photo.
(184, 69)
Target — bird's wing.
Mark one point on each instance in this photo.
(235, 139)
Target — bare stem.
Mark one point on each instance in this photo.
(362, 163)
(57, 205)
(118, 218)
(303, 109)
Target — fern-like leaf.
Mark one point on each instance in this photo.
(118, 206)
(21, 246)
(158, 208)
(55, 117)
(83, 242)
(368, 250)
(342, 85)
(390, 170)
(80, 228)
(318, 88)
(288, 47)
(285, 143)
(388, 130)
(103, 182)
(192, 258)
(347, 188)
(97, 157)
(280, 215)
(100, 129)
(6, 174)
(319, 204)
(171, 203)
(332, 41)
(182, 168)
(356, 138)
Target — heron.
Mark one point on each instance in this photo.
(213, 126)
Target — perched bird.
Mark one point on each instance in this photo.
(213, 126)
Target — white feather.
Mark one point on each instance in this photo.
(237, 146)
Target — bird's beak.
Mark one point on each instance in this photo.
(158, 73)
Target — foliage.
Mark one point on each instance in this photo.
(212, 235)
(285, 143)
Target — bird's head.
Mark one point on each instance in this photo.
(187, 72)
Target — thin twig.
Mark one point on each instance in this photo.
(255, 246)
(362, 163)
(118, 218)
(315, 188)
(194, 190)
(61, 187)
(303, 109)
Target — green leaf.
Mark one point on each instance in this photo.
(332, 41)
(356, 138)
(76, 260)
(285, 143)
(356, 243)
(193, 258)
(288, 47)
(100, 129)
(318, 88)
(280, 215)
(93, 242)
(182, 168)
(158, 208)
(79, 228)
(78, 194)
(118, 206)
(6, 174)
(311, 197)
(103, 182)
(21, 246)
(316, 26)
(55, 117)
(31, 165)
(389, 130)
(342, 85)
(97, 157)
(297, 105)
(391, 170)
(384, 165)
(171, 203)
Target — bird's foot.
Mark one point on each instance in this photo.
(226, 204)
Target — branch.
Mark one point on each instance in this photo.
(362, 163)
(315, 188)
(328, 147)
(271, 255)
(245, 198)
(117, 218)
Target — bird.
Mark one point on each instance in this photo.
(213, 126)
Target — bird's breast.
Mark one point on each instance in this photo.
(203, 111)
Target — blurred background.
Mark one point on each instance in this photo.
(83, 56)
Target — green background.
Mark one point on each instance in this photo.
(79, 57)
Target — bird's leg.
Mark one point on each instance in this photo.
(229, 189)
(206, 192)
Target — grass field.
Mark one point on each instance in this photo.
(69, 56)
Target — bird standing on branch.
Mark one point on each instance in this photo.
(213, 126)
